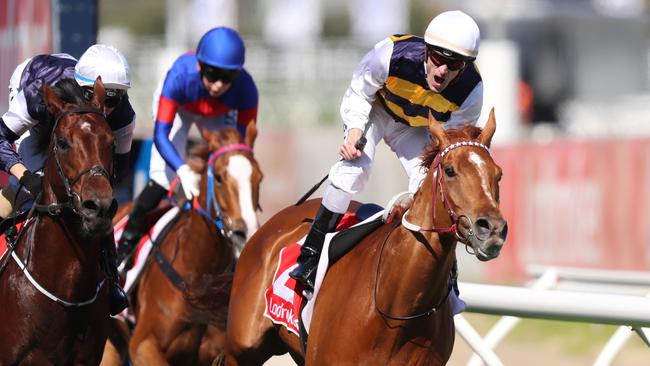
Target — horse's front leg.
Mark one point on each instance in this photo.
(147, 352)
(212, 345)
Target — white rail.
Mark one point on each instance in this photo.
(541, 301)
(557, 304)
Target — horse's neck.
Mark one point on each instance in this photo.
(423, 259)
(207, 244)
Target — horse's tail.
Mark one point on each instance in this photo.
(209, 298)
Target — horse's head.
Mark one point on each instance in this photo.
(467, 178)
(230, 182)
(80, 160)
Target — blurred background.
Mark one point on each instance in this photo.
(569, 79)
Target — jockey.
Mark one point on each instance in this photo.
(19, 127)
(393, 89)
(209, 88)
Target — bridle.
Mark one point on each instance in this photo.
(73, 198)
(436, 166)
(55, 208)
(218, 219)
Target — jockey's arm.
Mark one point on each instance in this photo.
(163, 126)
(369, 76)
(9, 159)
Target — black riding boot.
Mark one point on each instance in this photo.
(146, 202)
(117, 300)
(324, 222)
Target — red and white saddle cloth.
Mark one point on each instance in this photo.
(284, 296)
(142, 251)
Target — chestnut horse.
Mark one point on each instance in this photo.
(52, 291)
(200, 246)
(384, 302)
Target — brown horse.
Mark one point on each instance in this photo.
(200, 246)
(384, 302)
(52, 291)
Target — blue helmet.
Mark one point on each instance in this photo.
(221, 47)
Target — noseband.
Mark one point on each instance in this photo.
(73, 198)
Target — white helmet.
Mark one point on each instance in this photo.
(454, 31)
(104, 61)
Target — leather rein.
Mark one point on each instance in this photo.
(453, 228)
(56, 208)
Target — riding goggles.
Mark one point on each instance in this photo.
(113, 96)
(213, 74)
(438, 58)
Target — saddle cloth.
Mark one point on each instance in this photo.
(284, 296)
(142, 251)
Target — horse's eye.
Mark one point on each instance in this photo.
(450, 172)
(218, 178)
(62, 143)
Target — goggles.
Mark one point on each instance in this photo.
(214, 74)
(113, 96)
(439, 59)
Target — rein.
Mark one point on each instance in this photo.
(211, 202)
(453, 228)
(55, 209)
(408, 317)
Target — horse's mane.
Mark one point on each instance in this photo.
(70, 92)
(467, 132)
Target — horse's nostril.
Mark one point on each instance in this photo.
(90, 205)
(482, 227)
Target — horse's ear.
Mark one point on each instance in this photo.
(99, 94)
(438, 132)
(198, 157)
(251, 133)
(210, 137)
(488, 131)
(52, 101)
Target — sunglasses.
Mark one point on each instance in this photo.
(439, 59)
(113, 96)
(214, 74)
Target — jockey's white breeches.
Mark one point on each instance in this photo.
(348, 177)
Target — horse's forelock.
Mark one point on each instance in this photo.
(467, 132)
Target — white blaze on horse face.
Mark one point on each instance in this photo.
(86, 126)
(241, 170)
(475, 159)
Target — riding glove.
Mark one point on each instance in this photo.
(32, 182)
(189, 181)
